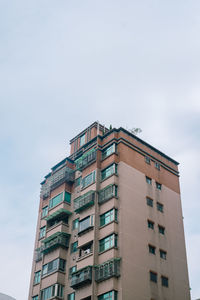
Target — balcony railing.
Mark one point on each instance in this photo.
(81, 277)
(107, 193)
(63, 175)
(84, 201)
(58, 239)
(107, 270)
(86, 159)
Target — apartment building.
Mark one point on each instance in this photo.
(110, 223)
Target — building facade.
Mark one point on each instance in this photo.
(110, 223)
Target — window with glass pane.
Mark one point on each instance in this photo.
(108, 151)
(54, 265)
(77, 181)
(37, 277)
(35, 298)
(150, 224)
(82, 140)
(149, 201)
(161, 229)
(42, 232)
(85, 223)
(72, 270)
(71, 296)
(74, 247)
(160, 207)
(75, 223)
(52, 291)
(158, 185)
(44, 211)
(56, 200)
(89, 179)
(153, 276)
(109, 171)
(164, 281)
(112, 295)
(67, 197)
(108, 242)
(148, 180)
(108, 217)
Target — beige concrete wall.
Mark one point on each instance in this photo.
(134, 237)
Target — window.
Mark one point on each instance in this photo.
(160, 207)
(71, 296)
(147, 160)
(153, 276)
(109, 171)
(163, 254)
(148, 180)
(150, 224)
(152, 249)
(77, 181)
(57, 264)
(44, 211)
(158, 186)
(161, 229)
(35, 298)
(82, 140)
(72, 270)
(89, 179)
(112, 295)
(86, 249)
(164, 281)
(42, 232)
(60, 198)
(149, 201)
(52, 291)
(75, 224)
(108, 151)
(37, 277)
(85, 223)
(108, 242)
(74, 247)
(108, 217)
(107, 193)
(56, 200)
(157, 165)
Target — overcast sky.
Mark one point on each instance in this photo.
(65, 64)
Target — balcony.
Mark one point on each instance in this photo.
(81, 277)
(61, 215)
(107, 270)
(56, 179)
(58, 239)
(107, 193)
(84, 201)
(86, 159)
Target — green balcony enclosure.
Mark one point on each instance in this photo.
(107, 193)
(81, 277)
(58, 239)
(60, 215)
(86, 159)
(108, 269)
(84, 201)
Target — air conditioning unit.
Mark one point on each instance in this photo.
(87, 251)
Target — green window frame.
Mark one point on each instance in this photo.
(148, 180)
(44, 211)
(158, 186)
(72, 270)
(57, 264)
(112, 295)
(67, 197)
(71, 296)
(108, 151)
(108, 242)
(89, 179)
(37, 277)
(55, 200)
(35, 297)
(74, 247)
(75, 224)
(108, 217)
(55, 290)
(107, 172)
(42, 232)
